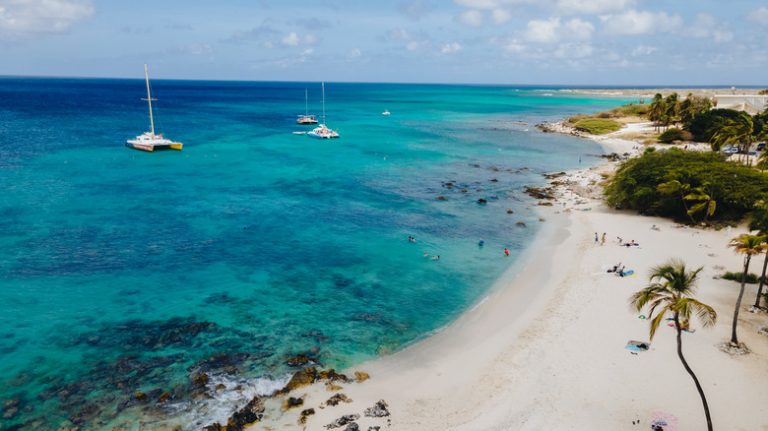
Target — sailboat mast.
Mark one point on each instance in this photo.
(149, 100)
(306, 102)
(323, 86)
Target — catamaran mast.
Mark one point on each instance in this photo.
(306, 102)
(323, 86)
(149, 100)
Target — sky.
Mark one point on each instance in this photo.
(555, 42)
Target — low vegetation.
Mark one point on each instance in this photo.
(686, 185)
(737, 276)
(597, 126)
(675, 135)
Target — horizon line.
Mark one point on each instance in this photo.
(557, 85)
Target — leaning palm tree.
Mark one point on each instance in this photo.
(738, 131)
(748, 245)
(759, 222)
(670, 292)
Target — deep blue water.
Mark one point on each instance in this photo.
(124, 271)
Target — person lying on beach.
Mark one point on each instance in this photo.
(621, 241)
(615, 267)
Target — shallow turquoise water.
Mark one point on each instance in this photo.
(125, 271)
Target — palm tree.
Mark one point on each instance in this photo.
(748, 245)
(672, 109)
(657, 109)
(700, 195)
(670, 292)
(704, 201)
(738, 131)
(759, 222)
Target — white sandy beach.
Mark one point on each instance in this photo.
(545, 350)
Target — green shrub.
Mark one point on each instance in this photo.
(704, 125)
(675, 134)
(736, 276)
(597, 126)
(734, 187)
(631, 110)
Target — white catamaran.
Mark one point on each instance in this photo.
(322, 131)
(149, 141)
(306, 118)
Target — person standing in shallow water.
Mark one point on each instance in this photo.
(506, 251)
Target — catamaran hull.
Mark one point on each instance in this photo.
(317, 136)
(151, 148)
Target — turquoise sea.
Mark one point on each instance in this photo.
(123, 271)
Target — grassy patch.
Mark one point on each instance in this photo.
(736, 276)
(597, 126)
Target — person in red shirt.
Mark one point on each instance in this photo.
(506, 251)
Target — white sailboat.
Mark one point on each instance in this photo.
(306, 118)
(322, 131)
(386, 113)
(149, 141)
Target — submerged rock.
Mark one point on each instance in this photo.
(344, 420)
(379, 410)
(482, 201)
(540, 192)
(300, 360)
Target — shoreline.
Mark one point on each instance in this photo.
(545, 349)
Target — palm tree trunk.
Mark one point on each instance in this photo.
(734, 338)
(762, 280)
(690, 371)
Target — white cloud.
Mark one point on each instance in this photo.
(643, 50)
(41, 16)
(759, 15)
(706, 26)
(634, 22)
(513, 46)
(721, 36)
(543, 31)
(450, 48)
(196, 49)
(551, 30)
(501, 16)
(573, 50)
(294, 39)
(471, 17)
(587, 7)
(580, 29)
(355, 53)
(480, 4)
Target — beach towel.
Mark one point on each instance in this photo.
(637, 346)
(664, 421)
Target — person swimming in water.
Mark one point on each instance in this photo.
(506, 251)
(481, 243)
